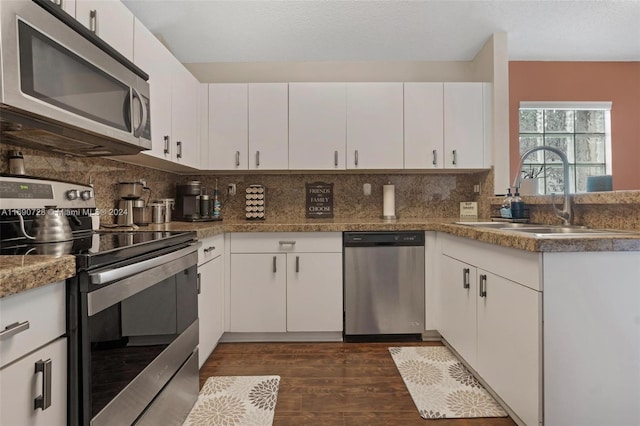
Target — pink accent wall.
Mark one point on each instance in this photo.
(618, 82)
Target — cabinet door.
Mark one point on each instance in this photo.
(317, 126)
(20, 384)
(464, 125)
(423, 126)
(210, 307)
(375, 126)
(314, 292)
(228, 126)
(258, 293)
(458, 291)
(184, 116)
(110, 20)
(509, 334)
(150, 55)
(268, 126)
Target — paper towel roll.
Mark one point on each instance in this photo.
(388, 201)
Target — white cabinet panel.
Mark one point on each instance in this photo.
(314, 292)
(375, 126)
(509, 331)
(317, 126)
(423, 126)
(210, 307)
(228, 126)
(184, 116)
(268, 126)
(153, 58)
(258, 293)
(20, 385)
(458, 289)
(110, 20)
(464, 125)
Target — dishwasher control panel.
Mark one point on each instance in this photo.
(399, 238)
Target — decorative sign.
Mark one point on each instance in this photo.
(319, 197)
(469, 210)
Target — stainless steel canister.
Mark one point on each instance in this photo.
(205, 206)
(169, 205)
(157, 212)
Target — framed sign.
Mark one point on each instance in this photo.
(319, 199)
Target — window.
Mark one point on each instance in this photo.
(581, 129)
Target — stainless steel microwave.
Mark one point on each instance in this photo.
(64, 89)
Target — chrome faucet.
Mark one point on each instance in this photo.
(564, 214)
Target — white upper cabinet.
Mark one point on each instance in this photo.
(423, 126)
(153, 58)
(228, 126)
(203, 124)
(317, 126)
(375, 130)
(68, 6)
(110, 20)
(464, 125)
(184, 116)
(268, 126)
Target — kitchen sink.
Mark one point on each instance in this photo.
(547, 230)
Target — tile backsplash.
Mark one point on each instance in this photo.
(416, 194)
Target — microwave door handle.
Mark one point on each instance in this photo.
(137, 132)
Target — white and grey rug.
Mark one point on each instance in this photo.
(235, 400)
(441, 386)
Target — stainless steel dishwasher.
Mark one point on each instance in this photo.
(383, 285)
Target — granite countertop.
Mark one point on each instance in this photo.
(20, 273)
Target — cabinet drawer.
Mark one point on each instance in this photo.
(20, 385)
(286, 242)
(211, 248)
(43, 309)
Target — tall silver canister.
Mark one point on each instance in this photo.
(169, 205)
(158, 211)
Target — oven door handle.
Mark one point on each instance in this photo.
(136, 268)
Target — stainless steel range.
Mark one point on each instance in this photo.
(132, 322)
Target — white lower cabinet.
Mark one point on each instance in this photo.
(211, 301)
(33, 357)
(286, 282)
(491, 314)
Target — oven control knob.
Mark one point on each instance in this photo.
(86, 194)
(72, 194)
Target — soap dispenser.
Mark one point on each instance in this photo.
(505, 208)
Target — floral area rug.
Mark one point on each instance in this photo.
(235, 400)
(441, 386)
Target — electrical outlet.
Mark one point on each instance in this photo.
(476, 188)
(231, 189)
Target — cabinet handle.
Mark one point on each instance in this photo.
(15, 328)
(335, 158)
(198, 281)
(237, 158)
(455, 159)
(297, 263)
(356, 157)
(435, 157)
(58, 2)
(167, 144)
(93, 21)
(44, 400)
(274, 265)
(465, 278)
(179, 153)
(483, 285)
(257, 158)
(210, 248)
(282, 243)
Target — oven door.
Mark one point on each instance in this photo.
(137, 329)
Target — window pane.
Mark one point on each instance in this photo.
(553, 179)
(531, 121)
(590, 121)
(530, 141)
(563, 143)
(558, 121)
(582, 172)
(590, 148)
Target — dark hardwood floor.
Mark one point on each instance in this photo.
(331, 383)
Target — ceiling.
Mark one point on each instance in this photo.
(202, 31)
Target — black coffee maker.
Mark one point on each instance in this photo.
(188, 201)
